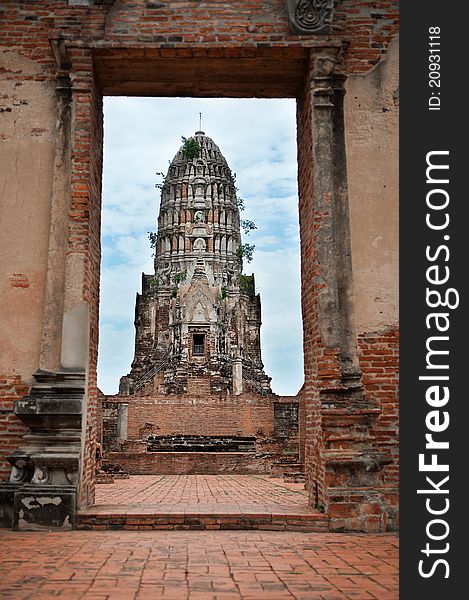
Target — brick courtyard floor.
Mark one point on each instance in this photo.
(203, 492)
(202, 502)
(197, 565)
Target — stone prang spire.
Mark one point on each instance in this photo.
(199, 217)
(198, 316)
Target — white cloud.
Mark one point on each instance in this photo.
(258, 139)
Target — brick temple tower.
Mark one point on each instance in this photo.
(198, 316)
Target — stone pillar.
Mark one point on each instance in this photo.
(348, 336)
(352, 486)
(332, 230)
(57, 459)
(237, 376)
(59, 208)
(45, 468)
(122, 422)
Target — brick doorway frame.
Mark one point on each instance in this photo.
(342, 481)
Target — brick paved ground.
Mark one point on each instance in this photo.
(254, 491)
(197, 566)
(145, 502)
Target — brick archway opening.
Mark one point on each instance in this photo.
(204, 74)
(210, 446)
(333, 398)
(344, 469)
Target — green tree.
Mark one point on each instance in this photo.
(246, 251)
(190, 148)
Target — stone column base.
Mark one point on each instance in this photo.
(357, 510)
(7, 498)
(42, 508)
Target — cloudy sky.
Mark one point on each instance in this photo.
(258, 139)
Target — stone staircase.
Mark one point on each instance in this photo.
(109, 473)
(145, 519)
(150, 374)
(294, 477)
(292, 471)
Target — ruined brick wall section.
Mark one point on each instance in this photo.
(314, 469)
(109, 425)
(200, 415)
(91, 292)
(26, 28)
(12, 429)
(379, 362)
(369, 25)
(190, 463)
(300, 398)
(286, 419)
(85, 234)
(100, 398)
(27, 133)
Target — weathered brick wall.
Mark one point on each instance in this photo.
(200, 415)
(314, 469)
(11, 428)
(200, 412)
(27, 138)
(379, 361)
(189, 463)
(109, 414)
(85, 232)
(100, 397)
(370, 25)
(286, 419)
(300, 398)
(367, 25)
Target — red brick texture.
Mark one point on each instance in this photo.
(192, 415)
(100, 397)
(379, 362)
(366, 25)
(182, 565)
(310, 392)
(361, 506)
(12, 429)
(84, 236)
(189, 463)
(198, 412)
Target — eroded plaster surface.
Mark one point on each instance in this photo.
(27, 133)
(371, 118)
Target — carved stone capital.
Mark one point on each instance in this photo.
(322, 65)
(323, 62)
(311, 17)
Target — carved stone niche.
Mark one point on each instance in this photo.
(311, 17)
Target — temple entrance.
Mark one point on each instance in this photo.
(197, 402)
(55, 396)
